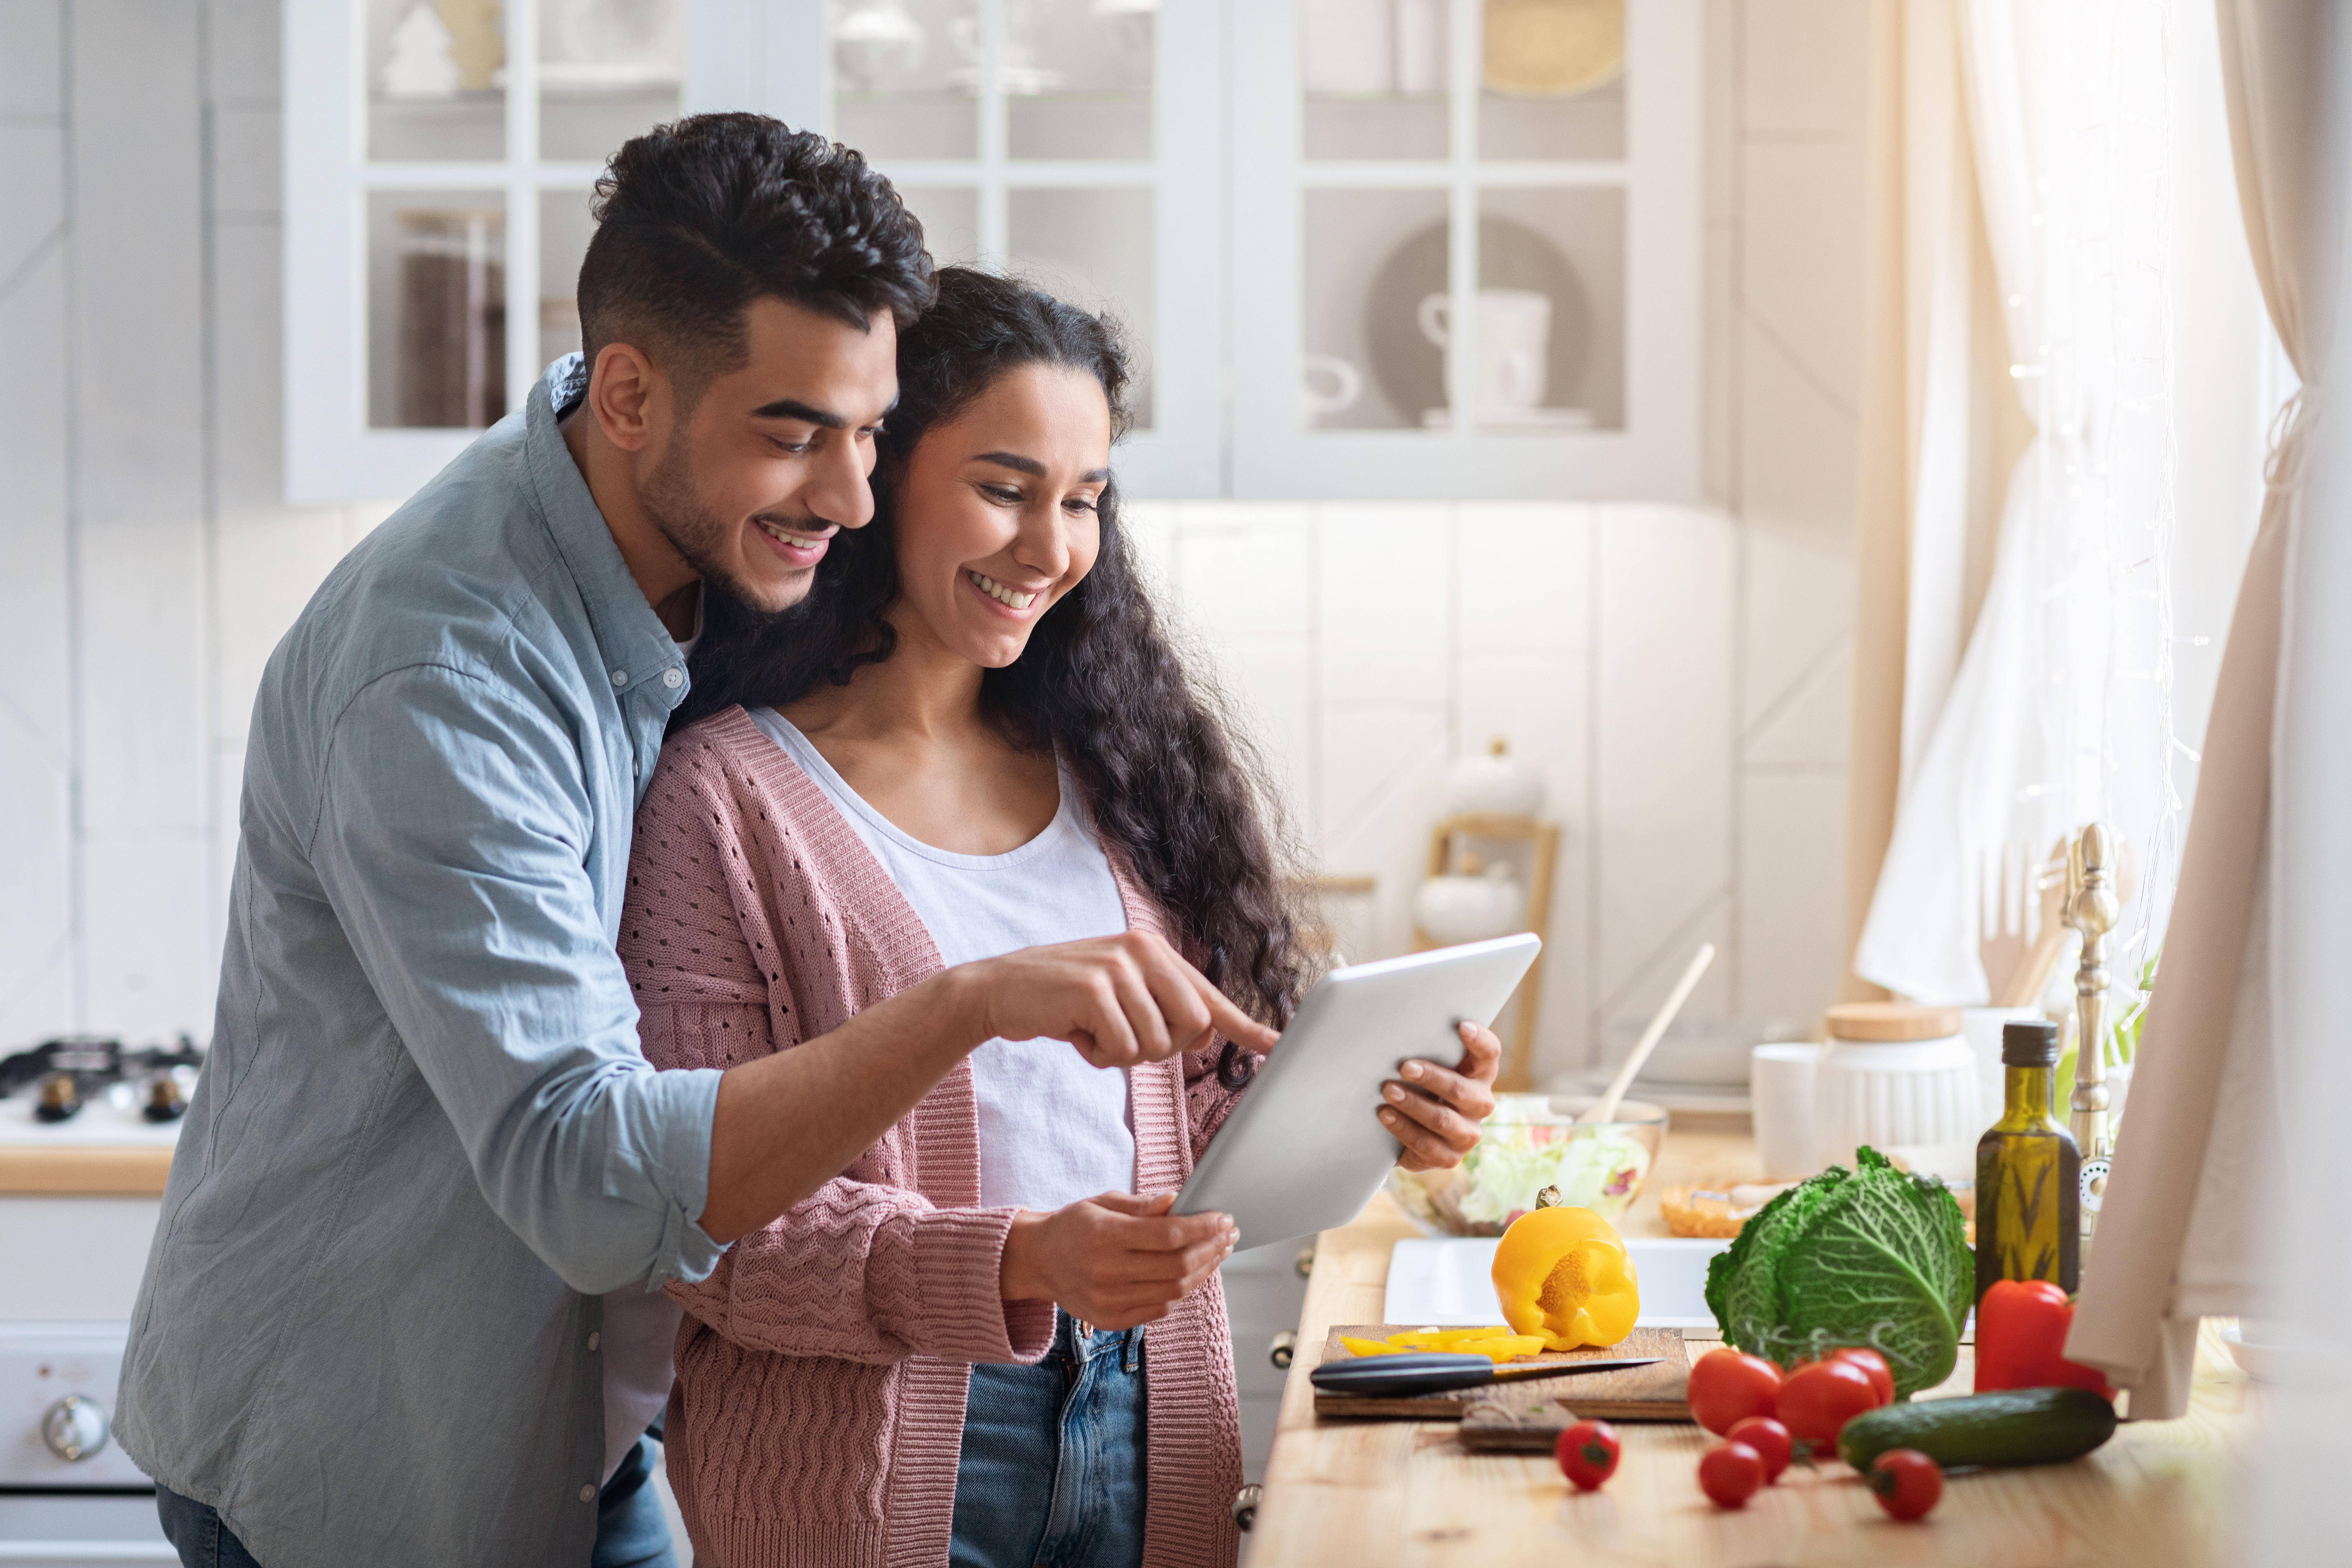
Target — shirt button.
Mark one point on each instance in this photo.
(620, 678)
(673, 679)
(587, 1494)
(595, 1339)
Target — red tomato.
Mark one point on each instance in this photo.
(1769, 1438)
(1882, 1376)
(1822, 1397)
(1588, 1454)
(1906, 1482)
(1729, 1474)
(1727, 1387)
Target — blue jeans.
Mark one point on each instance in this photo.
(631, 1531)
(1052, 1474)
(197, 1534)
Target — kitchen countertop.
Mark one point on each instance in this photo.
(1405, 1493)
(108, 1151)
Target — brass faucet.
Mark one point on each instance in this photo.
(2091, 908)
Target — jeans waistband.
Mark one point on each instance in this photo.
(1082, 1341)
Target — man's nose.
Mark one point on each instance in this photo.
(837, 488)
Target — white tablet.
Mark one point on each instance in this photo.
(1303, 1150)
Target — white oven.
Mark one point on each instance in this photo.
(70, 1272)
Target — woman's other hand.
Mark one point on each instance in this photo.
(1116, 1259)
(1434, 1111)
(1120, 1000)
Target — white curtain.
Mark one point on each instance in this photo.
(2244, 1054)
(2058, 712)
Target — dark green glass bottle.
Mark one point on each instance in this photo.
(2029, 1172)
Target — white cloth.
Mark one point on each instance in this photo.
(640, 1326)
(1052, 1129)
(2240, 1058)
(2059, 712)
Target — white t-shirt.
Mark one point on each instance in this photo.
(1053, 1130)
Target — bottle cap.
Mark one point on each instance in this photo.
(2029, 1045)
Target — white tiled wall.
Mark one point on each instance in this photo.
(1679, 674)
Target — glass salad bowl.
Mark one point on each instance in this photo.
(1533, 1142)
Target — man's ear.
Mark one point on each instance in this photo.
(628, 397)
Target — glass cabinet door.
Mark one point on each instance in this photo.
(1461, 225)
(440, 158)
(1077, 144)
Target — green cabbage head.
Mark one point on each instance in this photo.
(1868, 1257)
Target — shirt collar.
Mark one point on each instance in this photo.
(635, 646)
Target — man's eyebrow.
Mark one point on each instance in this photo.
(793, 408)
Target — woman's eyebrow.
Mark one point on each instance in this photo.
(1035, 470)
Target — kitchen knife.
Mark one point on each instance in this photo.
(1437, 1372)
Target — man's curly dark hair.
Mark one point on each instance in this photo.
(698, 218)
(1175, 792)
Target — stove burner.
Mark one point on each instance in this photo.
(67, 1072)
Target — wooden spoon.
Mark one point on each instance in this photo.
(1605, 1108)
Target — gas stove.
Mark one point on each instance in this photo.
(59, 1084)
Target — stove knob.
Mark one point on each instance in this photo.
(60, 1099)
(165, 1100)
(74, 1428)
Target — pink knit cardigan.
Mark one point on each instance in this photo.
(818, 1414)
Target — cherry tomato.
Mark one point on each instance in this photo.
(1727, 1387)
(1906, 1482)
(1729, 1474)
(1882, 1376)
(1769, 1439)
(1588, 1454)
(1822, 1397)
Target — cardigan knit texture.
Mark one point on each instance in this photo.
(818, 1414)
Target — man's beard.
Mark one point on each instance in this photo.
(678, 514)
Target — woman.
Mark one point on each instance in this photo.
(974, 739)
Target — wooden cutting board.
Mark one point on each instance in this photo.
(1517, 1414)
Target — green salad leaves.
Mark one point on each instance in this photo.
(1869, 1256)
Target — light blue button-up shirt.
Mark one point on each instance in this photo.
(426, 1140)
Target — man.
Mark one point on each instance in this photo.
(374, 1327)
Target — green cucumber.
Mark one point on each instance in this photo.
(2016, 1426)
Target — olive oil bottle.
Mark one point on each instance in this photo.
(2029, 1172)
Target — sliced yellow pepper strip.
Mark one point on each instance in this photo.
(1562, 1274)
(1367, 1347)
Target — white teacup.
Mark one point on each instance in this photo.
(1347, 383)
(1509, 361)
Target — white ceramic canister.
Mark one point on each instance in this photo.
(1902, 1079)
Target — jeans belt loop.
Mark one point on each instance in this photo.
(1131, 1354)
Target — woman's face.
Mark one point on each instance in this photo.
(996, 514)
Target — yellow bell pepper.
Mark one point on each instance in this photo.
(1497, 1344)
(1562, 1273)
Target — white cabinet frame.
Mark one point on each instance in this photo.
(1182, 456)
(744, 54)
(1227, 176)
(1654, 458)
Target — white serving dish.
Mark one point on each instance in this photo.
(1440, 1282)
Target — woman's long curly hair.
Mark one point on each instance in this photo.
(1174, 792)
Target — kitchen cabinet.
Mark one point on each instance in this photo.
(436, 149)
(1440, 249)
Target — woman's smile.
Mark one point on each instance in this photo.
(1002, 597)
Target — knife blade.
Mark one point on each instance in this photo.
(1437, 1372)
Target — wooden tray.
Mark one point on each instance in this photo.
(1515, 1414)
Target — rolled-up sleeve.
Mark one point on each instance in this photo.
(452, 837)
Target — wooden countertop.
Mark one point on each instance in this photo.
(1405, 1493)
(83, 1171)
